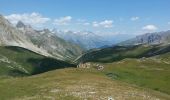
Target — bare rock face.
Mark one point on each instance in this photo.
(11, 36)
(84, 65)
(50, 42)
(90, 65)
(20, 24)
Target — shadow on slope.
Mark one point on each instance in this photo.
(47, 64)
(17, 61)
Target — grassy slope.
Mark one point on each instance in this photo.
(152, 72)
(149, 73)
(73, 84)
(120, 52)
(19, 61)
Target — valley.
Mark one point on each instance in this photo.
(143, 78)
(81, 50)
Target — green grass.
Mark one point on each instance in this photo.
(73, 84)
(149, 68)
(21, 62)
(146, 73)
(130, 79)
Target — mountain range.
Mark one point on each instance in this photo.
(11, 36)
(85, 39)
(67, 45)
(149, 38)
(146, 45)
(86, 65)
(41, 41)
(50, 42)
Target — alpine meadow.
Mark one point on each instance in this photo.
(84, 50)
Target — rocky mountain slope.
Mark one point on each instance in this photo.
(149, 38)
(42, 42)
(10, 36)
(50, 42)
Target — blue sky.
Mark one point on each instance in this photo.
(104, 17)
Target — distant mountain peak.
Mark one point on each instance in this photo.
(85, 39)
(42, 42)
(46, 30)
(20, 24)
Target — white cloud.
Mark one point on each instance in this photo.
(134, 18)
(95, 24)
(63, 20)
(150, 28)
(104, 24)
(28, 18)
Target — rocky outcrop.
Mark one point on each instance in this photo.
(84, 65)
(90, 65)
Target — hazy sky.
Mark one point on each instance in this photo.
(106, 17)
